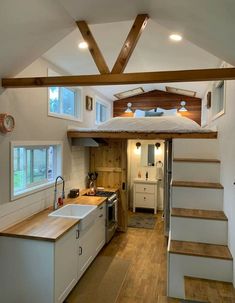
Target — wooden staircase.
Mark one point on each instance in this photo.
(198, 226)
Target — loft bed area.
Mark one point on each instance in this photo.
(150, 115)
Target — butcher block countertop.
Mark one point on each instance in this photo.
(42, 227)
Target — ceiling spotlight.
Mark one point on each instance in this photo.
(83, 45)
(176, 37)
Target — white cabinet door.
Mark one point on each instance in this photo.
(99, 229)
(85, 249)
(66, 260)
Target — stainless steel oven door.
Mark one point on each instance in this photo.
(112, 212)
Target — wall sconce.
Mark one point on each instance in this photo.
(182, 108)
(138, 145)
(128, 110)
(158, 150)
(138, 148)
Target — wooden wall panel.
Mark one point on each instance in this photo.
(157, 98)
(111, 164)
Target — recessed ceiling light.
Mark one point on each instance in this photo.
(176, 37)
(83, 45)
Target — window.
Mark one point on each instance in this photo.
(102, 111)
(218, 99)
(64, 102)
(34, 166)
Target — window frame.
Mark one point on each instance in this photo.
(222, 112)
(41, 185)
(79, 113)
(214, 84)
(79, 118)
(106, 104)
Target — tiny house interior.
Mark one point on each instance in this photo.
(117, 171)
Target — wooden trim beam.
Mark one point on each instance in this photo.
(138, 135)
(93, 47)
(127, 78)
(130, 43)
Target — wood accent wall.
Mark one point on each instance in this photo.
(110, 161)
(158, 98)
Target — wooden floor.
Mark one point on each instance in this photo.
(146, 279)
(146, 249)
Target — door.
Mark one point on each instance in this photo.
(110, 161)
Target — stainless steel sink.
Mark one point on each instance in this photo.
(86, 213)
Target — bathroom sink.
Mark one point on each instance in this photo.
(86, 213)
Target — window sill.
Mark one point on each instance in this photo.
(32, 190)
(64, 117)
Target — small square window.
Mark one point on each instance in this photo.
(64, 102)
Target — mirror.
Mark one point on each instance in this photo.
(147, 155)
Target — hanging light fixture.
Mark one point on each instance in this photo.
(183, 108)
(128, 110)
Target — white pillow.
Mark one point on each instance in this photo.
(141, 113)
(168, 112)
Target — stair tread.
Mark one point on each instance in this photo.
(205, 290)
(200, 249)
(199, 214)
(196, 184)
(196, 160)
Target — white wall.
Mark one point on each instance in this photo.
(226, 140)
(134, 166)
(29, 108)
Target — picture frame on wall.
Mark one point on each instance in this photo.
(89, 103)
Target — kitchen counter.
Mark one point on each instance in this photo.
(42, 227)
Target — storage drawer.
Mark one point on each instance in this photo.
(144, 200)
(101, 211)
(144, 188)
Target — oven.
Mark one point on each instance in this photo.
(111, 216)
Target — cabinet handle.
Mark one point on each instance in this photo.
(144, 188)
(77, 234)
(144, 198)
(80, 251)
(101, 207)
(101, 215)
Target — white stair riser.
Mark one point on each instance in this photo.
(180, 266)
(196, 171)
(195, 148)
(199, 230)
(197, 198)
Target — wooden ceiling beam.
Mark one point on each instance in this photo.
(127, 78)
(93, 47)
(130, 43)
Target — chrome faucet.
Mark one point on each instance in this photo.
(55, 205)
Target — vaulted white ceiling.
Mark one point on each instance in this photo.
(154, 52)
(29, 28)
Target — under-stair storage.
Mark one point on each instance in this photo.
(198, 226)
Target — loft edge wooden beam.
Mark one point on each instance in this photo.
(93, 47)
(130, 43)
(127, 78)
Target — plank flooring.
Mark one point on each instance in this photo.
(199, 214)
(146, 279)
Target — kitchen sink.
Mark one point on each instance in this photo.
(86, 213)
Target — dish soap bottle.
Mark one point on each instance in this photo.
(139, 174)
